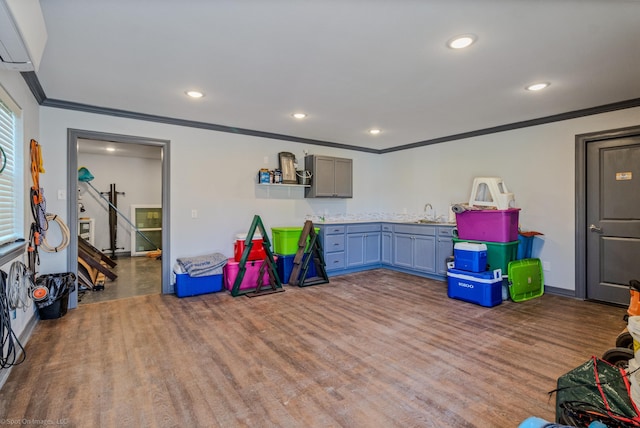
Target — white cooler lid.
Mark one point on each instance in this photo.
(470, 246)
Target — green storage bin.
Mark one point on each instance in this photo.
(285, 239)
(499, 254)
(526, 279)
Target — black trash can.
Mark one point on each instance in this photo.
(59, 286)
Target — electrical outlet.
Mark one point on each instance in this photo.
(546, 266)
(266, 160)
(194, 213)
(62, 195)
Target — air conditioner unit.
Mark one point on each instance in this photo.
(22, 35)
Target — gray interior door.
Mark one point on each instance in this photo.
(613, 218)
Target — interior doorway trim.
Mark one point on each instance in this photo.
(582, 140)
(72, 189)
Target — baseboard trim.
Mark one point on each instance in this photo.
(561, 292)
(23, 338)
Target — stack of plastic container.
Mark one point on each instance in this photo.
(468, 278)
(285, 247)
(497, 229)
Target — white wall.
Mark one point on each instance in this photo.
(14, 85)
(214, 173)
(139, 179)
(537, 164)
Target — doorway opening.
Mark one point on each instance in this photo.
(118, 214)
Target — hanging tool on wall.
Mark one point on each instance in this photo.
(85, 176)
(38, 206)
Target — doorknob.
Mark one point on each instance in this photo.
(594, 228)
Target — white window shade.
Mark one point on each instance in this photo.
(9, 225)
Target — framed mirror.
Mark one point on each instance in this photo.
(287, 166)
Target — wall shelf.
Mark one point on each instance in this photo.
(278, 189)
(283, 185)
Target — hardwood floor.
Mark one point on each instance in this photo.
(372, 349)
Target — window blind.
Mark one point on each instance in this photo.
(8, 200)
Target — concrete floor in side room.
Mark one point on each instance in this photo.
(137, 276)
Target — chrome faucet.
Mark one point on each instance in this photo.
(431, 210)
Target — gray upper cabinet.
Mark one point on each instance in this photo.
(330, 177)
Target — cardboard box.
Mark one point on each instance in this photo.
(482, 288)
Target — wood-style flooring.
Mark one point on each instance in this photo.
(372, 349)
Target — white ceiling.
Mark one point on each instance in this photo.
(349, 64)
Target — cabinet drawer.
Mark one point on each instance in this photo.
(334, 243)
(387, 227)
(332, 230)
(445, 231)
(415, 230)
(334, 261)
(363, 228)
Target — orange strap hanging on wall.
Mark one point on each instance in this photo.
(36, 168)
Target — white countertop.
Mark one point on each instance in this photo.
(319, 222)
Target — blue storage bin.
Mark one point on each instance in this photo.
(525, 245)
(192, 286)
(482, 288)
(284, 265)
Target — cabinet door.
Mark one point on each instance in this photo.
(444, 250)
(355, 249)
(424, 253)
(386, 248)
(371, 248)
(403, 250)
(324, 176)
(343, 178)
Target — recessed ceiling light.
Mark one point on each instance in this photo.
(537, 86)
(299, 115)
(374, 131)
(462, 41)
(194, 94)
(110, 149)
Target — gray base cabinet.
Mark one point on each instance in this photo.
(444, 249)
(411, 248)
(363, 245)
(349, 246)
(387, 244)
(414, 247)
